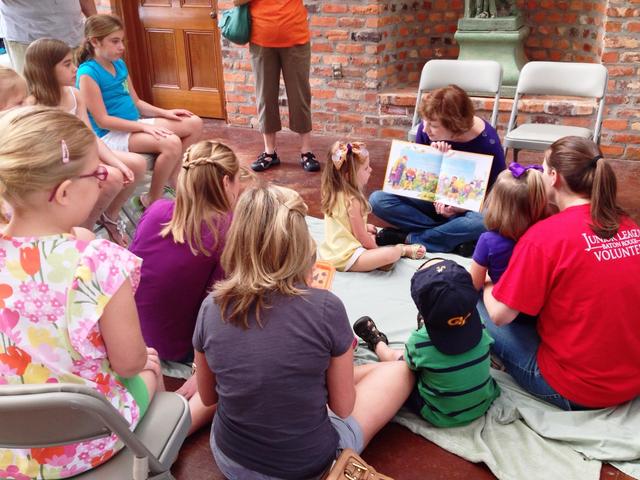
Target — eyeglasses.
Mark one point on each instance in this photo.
(101, 173)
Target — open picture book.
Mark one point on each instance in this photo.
(423, 172)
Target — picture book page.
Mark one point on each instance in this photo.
(463, 179)
(413, 170)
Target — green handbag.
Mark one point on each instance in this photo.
(235, 24)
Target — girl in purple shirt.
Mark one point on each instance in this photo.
(180, 243)
(517, 201)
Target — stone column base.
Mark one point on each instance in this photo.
(505, 47)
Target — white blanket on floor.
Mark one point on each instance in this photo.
(520, 437)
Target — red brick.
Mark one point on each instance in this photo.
(632, 153)
(393, 133)
(318, 21)
(626, 138)
(613, 124)
(610, 57)
(620, 71)
(633, 27)
(351, 49)
(612, 150)
(334, 8)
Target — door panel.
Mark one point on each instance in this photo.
(182, 52)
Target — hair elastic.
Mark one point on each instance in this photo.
(594, 160)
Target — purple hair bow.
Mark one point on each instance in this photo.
(518, 170)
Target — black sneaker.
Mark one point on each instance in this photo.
(265, 160)
(390, 236)
(366, 329)
(309, 162)
(465, 249)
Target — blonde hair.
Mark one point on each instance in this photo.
(31, 140)
(514, 204)
(200, 194)
(344, 179)
(99, 27)
(10, 84)
(39, 69)
(268, 249)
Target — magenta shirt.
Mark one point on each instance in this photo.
(173, 281)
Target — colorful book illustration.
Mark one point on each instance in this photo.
(322, 275)
(454, 178)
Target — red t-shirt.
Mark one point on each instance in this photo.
(279, 23)
(587, 293)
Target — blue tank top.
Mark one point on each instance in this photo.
(114, 89)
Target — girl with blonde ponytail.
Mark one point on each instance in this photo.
(181, 243)
(577, 271)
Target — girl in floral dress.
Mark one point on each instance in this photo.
(67, 311)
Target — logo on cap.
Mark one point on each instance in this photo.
(458, 321)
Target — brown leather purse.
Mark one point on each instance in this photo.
(350, 466)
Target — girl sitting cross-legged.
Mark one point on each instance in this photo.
(275, 353)
(67, 313)
(115, 108)
(51, 75)
(350, 242)
(180, 243)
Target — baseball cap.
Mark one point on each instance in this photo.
(446, 299)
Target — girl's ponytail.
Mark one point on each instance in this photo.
(605, 213)
(587, 174)
(84, 52)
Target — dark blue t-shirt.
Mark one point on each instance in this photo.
(487, 143)
(271, 382)
(493, 251)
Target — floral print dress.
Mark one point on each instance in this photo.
(53, 291)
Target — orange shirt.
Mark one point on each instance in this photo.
(278, 23)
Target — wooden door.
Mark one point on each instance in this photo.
(179, 44)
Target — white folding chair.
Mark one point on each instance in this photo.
(45, 415)
(473, 76)
(586, 80)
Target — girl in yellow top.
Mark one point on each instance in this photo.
(349, 241)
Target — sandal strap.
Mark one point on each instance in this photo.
(121, 226)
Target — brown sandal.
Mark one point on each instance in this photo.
(115, 229)
(414, 251)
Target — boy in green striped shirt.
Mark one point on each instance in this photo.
(449, 352)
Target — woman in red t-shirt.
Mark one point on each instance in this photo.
(577, 271)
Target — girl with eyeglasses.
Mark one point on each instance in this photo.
(67, 312)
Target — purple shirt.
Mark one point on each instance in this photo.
(487, 143)
(173, 281)
(493, 251)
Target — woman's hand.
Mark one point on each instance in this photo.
(447, 211)
(156, 132)
(444, 147)
(188, 388)
(176, 114)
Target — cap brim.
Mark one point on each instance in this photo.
(454, 341)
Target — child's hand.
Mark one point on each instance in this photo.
(153, 361)
(371, 229)
(177, 113)
(444, 147)
(127, 173)
(188, 388)
(156, 132)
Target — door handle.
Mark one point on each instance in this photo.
(213, 14)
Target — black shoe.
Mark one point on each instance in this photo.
(265, 160)
(390, 236)
(309, 162)
(465, 249)
(366, 329)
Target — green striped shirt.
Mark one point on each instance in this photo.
(455, 389)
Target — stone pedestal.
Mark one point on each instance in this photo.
(506, 47)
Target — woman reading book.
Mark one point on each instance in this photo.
(448, 122)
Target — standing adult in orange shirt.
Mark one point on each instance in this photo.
(280, 42)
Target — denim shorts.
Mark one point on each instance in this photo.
(349, 433)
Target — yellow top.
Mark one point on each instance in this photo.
(339, 243)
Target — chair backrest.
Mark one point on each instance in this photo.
(587, 80)
(44, 415)
(475, 76)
